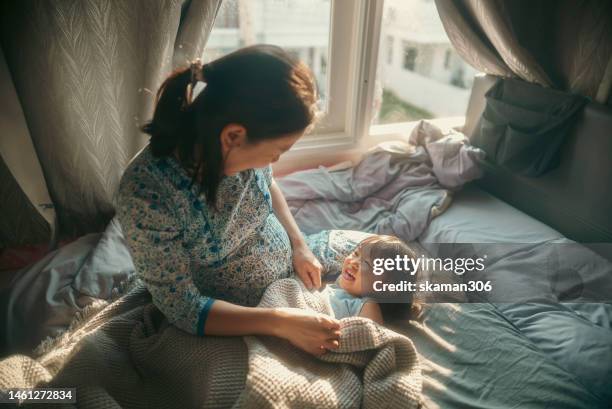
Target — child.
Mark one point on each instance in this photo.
(352, 294)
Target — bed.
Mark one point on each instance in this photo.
(473, 353)
(483, 354)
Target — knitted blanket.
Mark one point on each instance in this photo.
(127, 355)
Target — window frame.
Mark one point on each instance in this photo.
(351, 69)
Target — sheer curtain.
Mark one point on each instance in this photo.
(565, 44)
(85, 73)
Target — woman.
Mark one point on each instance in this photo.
(207, 226)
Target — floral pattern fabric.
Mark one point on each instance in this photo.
(188, 254)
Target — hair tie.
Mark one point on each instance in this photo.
(197, 71)
(197, 74)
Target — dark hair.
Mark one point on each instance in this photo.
(260, 87)
(388, 247)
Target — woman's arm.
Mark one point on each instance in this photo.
(306, 330)
(307, 266)
(281, 210)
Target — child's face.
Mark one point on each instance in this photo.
(356, 269)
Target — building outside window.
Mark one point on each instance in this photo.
(432, 80)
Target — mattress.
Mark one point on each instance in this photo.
(521, 346)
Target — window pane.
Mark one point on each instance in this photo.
(301, 27)
(419, 74)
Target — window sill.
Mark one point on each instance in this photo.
(331, 149)
(401, 130)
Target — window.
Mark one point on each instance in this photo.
(311, 56)
(323, 64)
(432, 80)
(410, 56)
(304, 28)
(389, 50)
(376, 62)
(300, 27)
(225, 17)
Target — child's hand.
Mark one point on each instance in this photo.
(307, 266)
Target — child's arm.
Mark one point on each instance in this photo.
(372, 311)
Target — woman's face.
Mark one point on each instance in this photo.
(239, 154)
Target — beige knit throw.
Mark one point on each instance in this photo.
(126, 355)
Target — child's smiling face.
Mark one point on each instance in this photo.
(355, 266)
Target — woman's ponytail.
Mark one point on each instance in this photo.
(261, 87)
(171, 120)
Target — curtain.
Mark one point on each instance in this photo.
(85, 73)
(35, 218)
(565, 44)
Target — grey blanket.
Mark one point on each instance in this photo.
(126, 355)
(397, 188)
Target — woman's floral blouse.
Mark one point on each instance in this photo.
(189, 255)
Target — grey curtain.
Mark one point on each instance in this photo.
(85, 73)
(565, 44)
(25, 206)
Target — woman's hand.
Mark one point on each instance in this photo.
(307, 266)
(310, 331)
